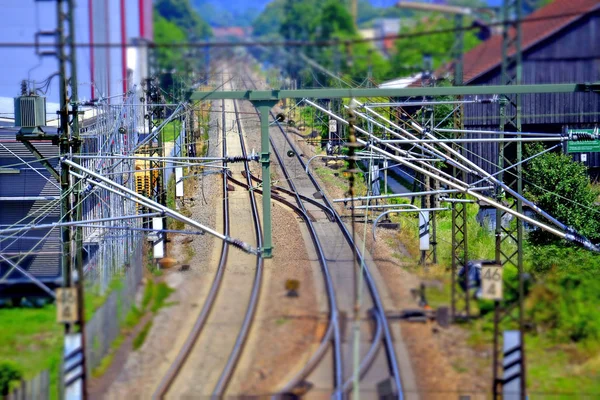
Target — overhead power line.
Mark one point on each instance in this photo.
(294, 43)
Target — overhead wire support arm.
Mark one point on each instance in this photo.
(107, 184)
(276, 95)
(41, 159)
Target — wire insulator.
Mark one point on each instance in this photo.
(241, 245)
(582, 136)
(581, 240)
(234, 159)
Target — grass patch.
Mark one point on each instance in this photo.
(148, 293)
(161, 292)
(189, 253)
(567, 370)
(171, 131)
(94, 299)
(32, 339)
(107, 361)
(281, 321)
(141, 337)
(154, 298)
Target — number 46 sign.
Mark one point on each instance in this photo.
(491, 282)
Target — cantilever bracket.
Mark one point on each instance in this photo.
(40, 158)
(592, 87)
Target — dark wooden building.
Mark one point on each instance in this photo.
(561, 44)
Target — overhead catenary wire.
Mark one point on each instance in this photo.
(298, 43)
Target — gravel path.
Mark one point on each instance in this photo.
(143, 369)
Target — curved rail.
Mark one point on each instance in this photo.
(333, 328)
(334, 317)
(323, 207)
(275, 197)
(173, 371)
(369, 357)
(227, 373)
(389, 344)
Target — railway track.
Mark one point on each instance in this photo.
(173, 384)
(382, 330)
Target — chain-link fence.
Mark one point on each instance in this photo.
(105, 326)
(37, 388)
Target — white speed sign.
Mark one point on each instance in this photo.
(491, 282)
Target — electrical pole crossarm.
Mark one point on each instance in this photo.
(276, 95)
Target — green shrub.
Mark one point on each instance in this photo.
(561, 187)
(564, 304)
(9, 372)
(138, 341)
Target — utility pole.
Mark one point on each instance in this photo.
(69, 298)
(354, 12)
(157, 189)
(460, 244)
(428, 246)
(513, 378)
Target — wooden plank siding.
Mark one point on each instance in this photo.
(570, 55)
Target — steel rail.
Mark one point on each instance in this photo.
(333, 332)
(390, 351)
(307, 199)
(275, 197)
(369, 358)
(238, 347)
(328, 282)
(183, 354)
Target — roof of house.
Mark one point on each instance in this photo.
(535, 28)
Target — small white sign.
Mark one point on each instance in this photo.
(66, 305)
(424, 230)
(159, 244)
(179, 182)
(583, 157)
(332, 125)
(491, 282)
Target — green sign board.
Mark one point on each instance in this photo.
(584, 146)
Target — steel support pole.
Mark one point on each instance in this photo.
(264, 107)
(460, 243)
(510, 120)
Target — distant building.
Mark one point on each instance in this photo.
(28, 195)
(108, 64)
(388, 29)
(229, 32)
(112, 71)
(560, 45)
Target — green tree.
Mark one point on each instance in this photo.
(561, 187)
(409, 51)
(299, 20)
(181, 13)
(268, 23)
(166, 32)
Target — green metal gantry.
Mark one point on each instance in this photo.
(265, 99)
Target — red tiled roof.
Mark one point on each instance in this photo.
(389, 42)
(536, 27)
(229, 31)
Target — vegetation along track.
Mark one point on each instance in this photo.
(378, 312)
(167, 382)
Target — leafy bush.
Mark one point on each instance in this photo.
(565, 302)
(561, 187)
(9, 372)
